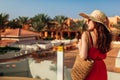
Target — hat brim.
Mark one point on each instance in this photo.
(87, 16)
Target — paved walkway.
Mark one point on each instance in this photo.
(113, 76)
(45, 65)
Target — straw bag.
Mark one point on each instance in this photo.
(81, 68)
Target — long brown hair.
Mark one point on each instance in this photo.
(104, 38)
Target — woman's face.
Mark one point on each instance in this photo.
(90, 24)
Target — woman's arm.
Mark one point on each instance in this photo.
(83, 49)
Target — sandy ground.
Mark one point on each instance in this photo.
(69, 58)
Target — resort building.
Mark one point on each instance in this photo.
(17, 35)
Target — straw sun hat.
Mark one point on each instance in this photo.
(97, 16)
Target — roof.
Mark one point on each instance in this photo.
(15, 33)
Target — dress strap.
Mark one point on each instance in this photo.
(91, 40)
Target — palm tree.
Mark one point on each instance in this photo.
(40, 21)
(24, 21)
(61, 21)
(3, 22)
(14, 24)
(79, 26)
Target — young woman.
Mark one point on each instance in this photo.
(95, 43)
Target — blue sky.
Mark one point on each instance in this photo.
(69, 8)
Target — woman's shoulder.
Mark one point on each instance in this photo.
(85, 34)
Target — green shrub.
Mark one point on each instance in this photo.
(48, 38)
(7, 48)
